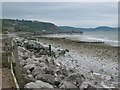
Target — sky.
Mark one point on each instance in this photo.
(77, 14)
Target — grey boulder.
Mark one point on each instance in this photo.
(46, 78)
(75, 78)
(38, 84)
(67, 85)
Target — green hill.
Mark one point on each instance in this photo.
(27, 25)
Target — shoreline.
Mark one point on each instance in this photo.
(99, 43)
(99, 53)
(98, 63)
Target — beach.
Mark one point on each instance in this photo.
(96, 61)
(99, 58)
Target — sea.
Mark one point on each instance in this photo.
(108, 37)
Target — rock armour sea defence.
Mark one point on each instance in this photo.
(40, 69)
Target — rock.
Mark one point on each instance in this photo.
(37, 71)
(29, 67)
(24, 71)
(30, 75)
(29, 61)
(91, 87)
(36, 59)
(62, 52)
(42, 65)
(22, 63)
(66, 50)
(52, 54)
(71, 70)
(36, 62)
(37, 55)
(46, 78)
(51, 60)
(38, 84)
(58, 80)
(43, 51)
(48, 70)
(24, 57)
(65, 72)
(47, 62)
(43, 58)
(58, 64)
(75, 79)
(28, 72)
(58, 72)
(28, 78)
(62, 71)
(87, 86)
(22, 49)
(30, 54)
(67, 85)
(84, 85)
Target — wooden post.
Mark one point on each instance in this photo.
(17, 67)
(50, 49)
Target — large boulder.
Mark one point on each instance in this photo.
(75, 79)
(37, 71)
(42, 65)
(48, 70)
(58, 80)
(58, 71)
(22, 49)
(46, 78)
(62, 71)
(43, 51)
(43, 58)
(30, 53)
(29, 67)
(87, 86)
(38, 84)
(28, 78)
(25, 57)
(29, 61)
(67, 85)
(51, 60)
(22, 63)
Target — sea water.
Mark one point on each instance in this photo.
(108, 37)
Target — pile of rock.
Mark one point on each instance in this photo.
(44, 69)
(41, 71)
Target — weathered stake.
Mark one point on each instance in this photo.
(50, 49)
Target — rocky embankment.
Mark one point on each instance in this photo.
(41, 70)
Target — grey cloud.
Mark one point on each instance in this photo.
(75, 14)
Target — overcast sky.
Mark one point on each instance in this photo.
(79, 14)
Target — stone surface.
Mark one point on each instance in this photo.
(48, 70)
(46, 78)
(28, 78)
(29, 61)
(58, 79)
(37, 71)
(75, 78)
(22, 63)
(67, 85)
(29, 66)
(38, 84)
